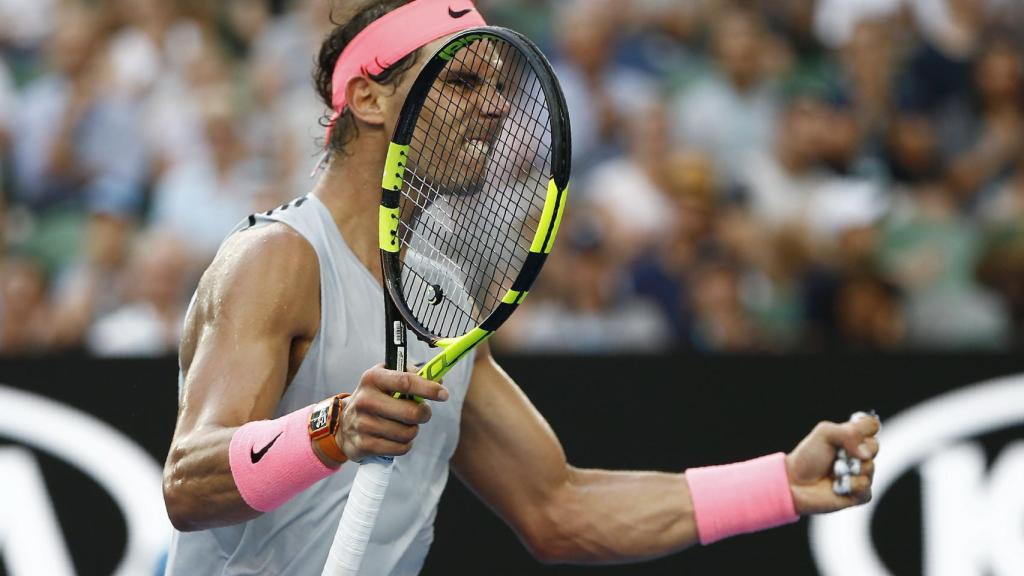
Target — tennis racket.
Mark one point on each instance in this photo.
(474, 188)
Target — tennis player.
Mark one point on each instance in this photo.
(280, 384)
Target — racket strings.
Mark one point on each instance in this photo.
(497, 246)
(510, 246)
(467, 223)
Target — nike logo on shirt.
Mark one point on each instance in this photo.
(458, 14)
(257, 456)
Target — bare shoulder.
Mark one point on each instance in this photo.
(263, 280)
(275, 255)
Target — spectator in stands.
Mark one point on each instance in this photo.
(86, 289)
(869, 66)
(600, 93)
(781, 181)
(153, 285)
(154, 57)
(630, 193)
(282, 124)
(772, 288)
(1004, 207)
(74, 139)
(730, 111)
(870, 315)
(662, 273)
(245, 23)
(224, 185)
(531, 17)
(811, 62)
(1002, 270)
(912, 152)
(931, 252)
(844, 148)
(1002, 265)
(24, 313)
(998, 138)
(851, 174)
(174, 111)
(957, 27)
(76, 144)
(595, 312)
(141, 46)
(289, 43)
(721, 323)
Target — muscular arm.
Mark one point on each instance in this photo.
(255, 308)
(562, 513)
(511, 458)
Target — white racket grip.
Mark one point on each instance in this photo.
(359, 517)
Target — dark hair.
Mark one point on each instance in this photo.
(345, 127)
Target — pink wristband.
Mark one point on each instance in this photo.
(273, 460)
(740, 498)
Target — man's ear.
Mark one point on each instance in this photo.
(365, 100)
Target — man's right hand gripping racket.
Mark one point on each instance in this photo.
(474, 189)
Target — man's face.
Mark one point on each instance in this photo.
(461, 119)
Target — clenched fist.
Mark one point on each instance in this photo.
(810, 464)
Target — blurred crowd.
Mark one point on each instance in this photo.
(749, 176)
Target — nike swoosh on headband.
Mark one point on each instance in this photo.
(458, 14)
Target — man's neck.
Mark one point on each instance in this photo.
(350, 189)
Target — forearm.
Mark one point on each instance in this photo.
(512, 460)
(219, 476)
(199, 489)
(601, 516)
(598, 516)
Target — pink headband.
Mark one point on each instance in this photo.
(393, 37)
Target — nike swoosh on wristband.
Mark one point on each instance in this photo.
(458, 14)
(257, 456)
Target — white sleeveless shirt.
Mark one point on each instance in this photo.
(295, 538)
